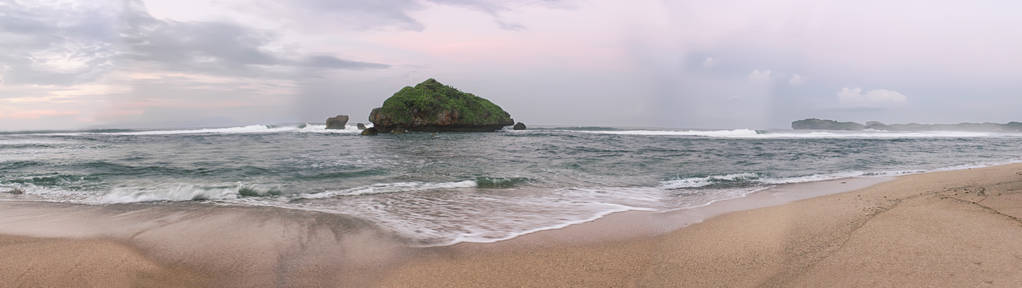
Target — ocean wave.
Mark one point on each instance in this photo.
(754, 179)
(381, 188)
(249, 129)
(701, 133)
(18, 164)
(170, 192)
(696, 182)
(500, 182)
(31, 142)
(761, 134)
(45, 193)
(54, 180)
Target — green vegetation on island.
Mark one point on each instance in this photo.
(433, 106)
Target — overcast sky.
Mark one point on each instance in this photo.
(642, 63)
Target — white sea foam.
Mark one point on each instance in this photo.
(702, 133)
(169, 192)
(481, 236)
(753, 134)
(250, 129)
(696, 182)
(36, 141)
(756, 179)
(35, 192)
(381, 188)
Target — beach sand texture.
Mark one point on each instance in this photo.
(941, 229)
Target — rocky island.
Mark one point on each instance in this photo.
(431, 106)
(820, 124)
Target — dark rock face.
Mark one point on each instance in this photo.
(818, 124)
(361, 126)
(336, 122)
(434, 107)
(519, 126)
(369, 131)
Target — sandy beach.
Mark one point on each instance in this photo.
(941, 229)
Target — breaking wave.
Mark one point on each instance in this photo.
(184, 192)
(250, 129)
(761, 134)
(381, 188)
(753, 179)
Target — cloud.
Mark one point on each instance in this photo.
(56, 58)
(35, 114)
(51, 44)
(335, 63)
(709, 62)
(372, 14)
(212, 47)
(760, 75)
(878, 98)
(796, 80)
(64, 45)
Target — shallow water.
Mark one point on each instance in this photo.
(445, 188)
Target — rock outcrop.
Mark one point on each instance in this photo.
(361, 126)
(369, 131)
(519, 126)
(336, 122)
(431, 106)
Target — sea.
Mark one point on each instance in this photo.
(439, 189)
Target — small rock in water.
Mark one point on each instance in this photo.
(369, 131)
(361, 126)
(16, 191)
(336, 122)
(519, 126)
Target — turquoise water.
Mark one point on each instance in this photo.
(444, 188)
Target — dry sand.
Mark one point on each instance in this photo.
(944, 229)
(35, 262)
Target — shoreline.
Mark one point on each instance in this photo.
(279, 246)
(630, 224)
(863, 237)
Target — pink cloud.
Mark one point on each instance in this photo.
(36, 114)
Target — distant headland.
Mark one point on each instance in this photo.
(823, 124)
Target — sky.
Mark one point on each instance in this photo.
(643, 63)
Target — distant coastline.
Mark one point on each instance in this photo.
(824, 124)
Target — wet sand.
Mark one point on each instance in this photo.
(948, 229)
